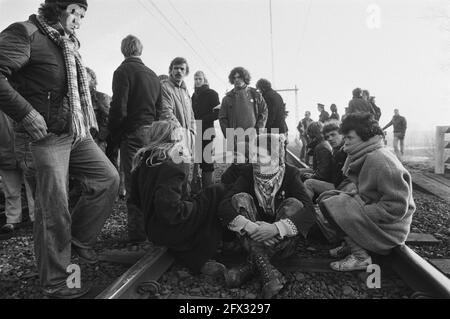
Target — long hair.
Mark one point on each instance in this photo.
(243, 73)
(162, 137)
(263, 85)
(202, 74)
(314, 130)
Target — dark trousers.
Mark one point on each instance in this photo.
(131, 143)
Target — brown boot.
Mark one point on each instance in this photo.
(237, 276)
(272, 280)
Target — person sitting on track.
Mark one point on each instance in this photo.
(321, 152)
(190, 229)
(376, 216)
(315, 187)
(268, 208)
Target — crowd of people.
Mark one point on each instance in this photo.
(77, 150)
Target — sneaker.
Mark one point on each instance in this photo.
(66, 292)
(88, 255)
(351, 263)
(339, 252)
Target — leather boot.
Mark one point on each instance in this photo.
(207, 179)
(237, 276)
(272, 280)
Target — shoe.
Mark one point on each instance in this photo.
(7, 231)
(351, 263)
(88, 255)
(213, 269)
(8, 228)
(66, 292)
(340, 252)
(237, 276)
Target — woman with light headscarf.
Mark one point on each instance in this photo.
(268, 208)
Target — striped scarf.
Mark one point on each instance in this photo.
(79, 96)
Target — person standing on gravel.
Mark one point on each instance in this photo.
(400, 124)
(176, 106)
(206, 104)
(44, 88)
(135, 102)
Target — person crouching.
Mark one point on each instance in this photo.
(268, 208)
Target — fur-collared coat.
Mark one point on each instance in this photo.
(379, 216)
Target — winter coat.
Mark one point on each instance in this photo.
(338, 160)
(229, 110)
(33, 76)
(177, 107)
(136, 98)
(358, 105)
(399, 123)
(276, 111)
(291, 187)
(190, 229)
(379, 216)
(100, 103)
(335, 116)
(204, 100)
(7, 151)
(322, 160)
(324, 116)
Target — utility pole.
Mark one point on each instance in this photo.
(271, 42)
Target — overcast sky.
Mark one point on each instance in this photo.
(324, 47)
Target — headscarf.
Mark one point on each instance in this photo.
(266, 186)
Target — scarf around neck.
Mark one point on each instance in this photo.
(266, 186)
(79, 96)
(356, 154)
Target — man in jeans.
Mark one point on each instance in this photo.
(136, 98)
(44, 88)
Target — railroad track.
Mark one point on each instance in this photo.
(141, 280)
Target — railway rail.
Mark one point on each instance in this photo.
(141, 280)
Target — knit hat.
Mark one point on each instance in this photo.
(82, 3)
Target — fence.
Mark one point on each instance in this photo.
(442, 150)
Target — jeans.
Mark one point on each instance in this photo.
(131, 143)
(26, 165)
(55, 228)
(399, 138)
(12, 187)
(245, 205)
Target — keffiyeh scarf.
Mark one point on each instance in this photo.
(79, 97)
(266, 186)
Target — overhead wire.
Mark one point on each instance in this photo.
(195, 33)
(185, 40)
(305, 26)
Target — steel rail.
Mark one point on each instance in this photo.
(422, 277)
(148, 269)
